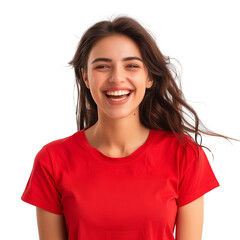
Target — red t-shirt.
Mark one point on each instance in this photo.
(134, 197)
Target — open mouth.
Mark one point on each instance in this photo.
(118, 98)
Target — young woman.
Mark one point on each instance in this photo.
(131, 171)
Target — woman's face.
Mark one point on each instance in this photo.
(115, 67)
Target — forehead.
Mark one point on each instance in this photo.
(115, 46)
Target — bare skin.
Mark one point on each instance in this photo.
(118, 131)
(190, 220)
(97, 142)
(50, 226)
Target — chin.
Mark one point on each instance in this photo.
(115, 115)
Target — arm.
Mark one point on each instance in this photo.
(50, 226)
(190, 221)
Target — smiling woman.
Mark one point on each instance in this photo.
(132, 170)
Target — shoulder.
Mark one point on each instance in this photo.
(56, 155)
(179, 140)
(60, 147)
(177, 145)
(68, 142)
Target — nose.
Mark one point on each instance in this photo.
(117, 75)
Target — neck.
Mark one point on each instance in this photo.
(119, 135)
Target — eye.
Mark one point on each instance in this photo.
(101, 67)
(132, 66)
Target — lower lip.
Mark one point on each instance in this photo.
(118, 102)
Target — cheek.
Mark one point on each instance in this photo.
(140, 82)
(95, 86)
(97, 78)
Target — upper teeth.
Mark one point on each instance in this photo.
(118, 93)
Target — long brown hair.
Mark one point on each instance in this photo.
(163, 106)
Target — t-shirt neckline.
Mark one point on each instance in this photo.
(113, 160)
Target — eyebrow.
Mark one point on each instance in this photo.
(109, 60)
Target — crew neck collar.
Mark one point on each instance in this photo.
(119, 160)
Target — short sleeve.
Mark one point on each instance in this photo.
(41, 188)
(197, 179)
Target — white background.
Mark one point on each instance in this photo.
(37, 95)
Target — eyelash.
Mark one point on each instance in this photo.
(133, 66)
(104, 66)
(101, 66)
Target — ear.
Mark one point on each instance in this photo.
(149, 83)
(84, 75)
